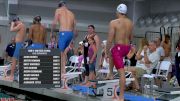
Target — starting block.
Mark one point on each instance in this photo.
(106, 88)
(109, 87)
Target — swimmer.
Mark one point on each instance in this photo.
(37, 33)
(18, 27)
(66, 19)
(120, 32)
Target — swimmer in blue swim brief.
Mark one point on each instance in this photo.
(67, 23)
(19, 45)
(36, 46)
(37, 33)
(65, 38)
(18, 27)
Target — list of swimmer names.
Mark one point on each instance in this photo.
(39, 68)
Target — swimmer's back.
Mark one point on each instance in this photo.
(38, 33)
(123, 30)
(66, 19)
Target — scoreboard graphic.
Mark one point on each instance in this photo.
(39, 68)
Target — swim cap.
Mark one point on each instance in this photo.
(61, 3)
(37, 18)
(122, 8)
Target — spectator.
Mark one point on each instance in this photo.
(166, 44)
(69, 51)
(159, 49)
(131, 56)
(10, 50)
(102, 58)
(79, 52)
(177, 61)
(53, 43)
(147, 63)
(92, 54)
(90, 34)
(80, 48)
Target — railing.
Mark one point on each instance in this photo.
(174, 32)
(151, 35)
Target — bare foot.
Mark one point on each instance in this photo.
(121, 99)
(109, 77)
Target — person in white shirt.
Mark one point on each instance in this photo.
(146, 64)
(160, 49)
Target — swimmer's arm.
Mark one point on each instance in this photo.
(30, 36)
(14, 28)
(44, 34)
(131, 33)
(131, 36)
(75, 31)
(55, 21)
(110, 38)
(74, 27)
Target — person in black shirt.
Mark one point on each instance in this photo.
(177, 61)
(90, 34)
(10, 50)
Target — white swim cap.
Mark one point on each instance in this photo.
(122, 8)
